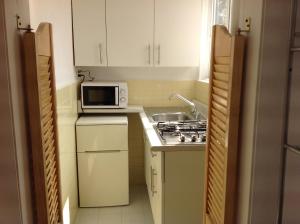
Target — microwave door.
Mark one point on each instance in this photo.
(100, 97)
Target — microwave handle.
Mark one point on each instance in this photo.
(117, 95)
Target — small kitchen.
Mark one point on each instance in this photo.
(172, 161)
(132, 119)
(149, 111)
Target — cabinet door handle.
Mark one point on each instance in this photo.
(100, 53)
(149, 54)
(151, 179)
(153, 154)
(153, 173)
(158, 52)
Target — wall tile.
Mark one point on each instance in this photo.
(202, 92)
(155, 93)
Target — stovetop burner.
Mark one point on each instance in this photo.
(187, 132)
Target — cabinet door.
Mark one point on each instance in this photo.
(183, 187)
(103, 179)
(130, 32)
(177, 32)
(102, 138)
(153, 174)
(89, 32)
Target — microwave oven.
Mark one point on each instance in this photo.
(97, 95)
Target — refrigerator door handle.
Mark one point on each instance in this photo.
(295, 149)
(103, 151)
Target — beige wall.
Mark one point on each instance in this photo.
(57, 12)
(136, 150)
(254, 10)
(67, 116)
(155, 93)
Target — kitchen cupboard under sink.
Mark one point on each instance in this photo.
(174, 171)
(175, 184)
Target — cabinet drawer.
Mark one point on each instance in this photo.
(102, 137)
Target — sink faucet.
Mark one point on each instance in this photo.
(185, 100)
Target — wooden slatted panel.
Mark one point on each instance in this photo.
(48, 136)
(40, 83)
(223, 120)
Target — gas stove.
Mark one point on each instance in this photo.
(187, 132)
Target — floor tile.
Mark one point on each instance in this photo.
(110, 219)
(87, 216)
(138, 212)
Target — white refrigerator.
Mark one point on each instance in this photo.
(102, 160)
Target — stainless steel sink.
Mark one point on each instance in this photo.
(179, 116)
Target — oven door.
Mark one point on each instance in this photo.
(100, 96)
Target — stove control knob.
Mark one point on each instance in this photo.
(193, 138)
(203, 138)
(182, 138)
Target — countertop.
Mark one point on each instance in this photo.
(150, 132)
(130, 109)
(153, 137)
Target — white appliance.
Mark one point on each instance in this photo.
(102, 160)
(95, 95)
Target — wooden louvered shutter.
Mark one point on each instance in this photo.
(223, 125)
(41, 106)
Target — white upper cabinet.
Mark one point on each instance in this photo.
(130, 32)
(139, 33)
(177, 32)
(89, 32)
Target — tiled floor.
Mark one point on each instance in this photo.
(138, 212)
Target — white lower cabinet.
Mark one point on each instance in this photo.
(175, 185)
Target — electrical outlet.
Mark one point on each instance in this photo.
(247, 24)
